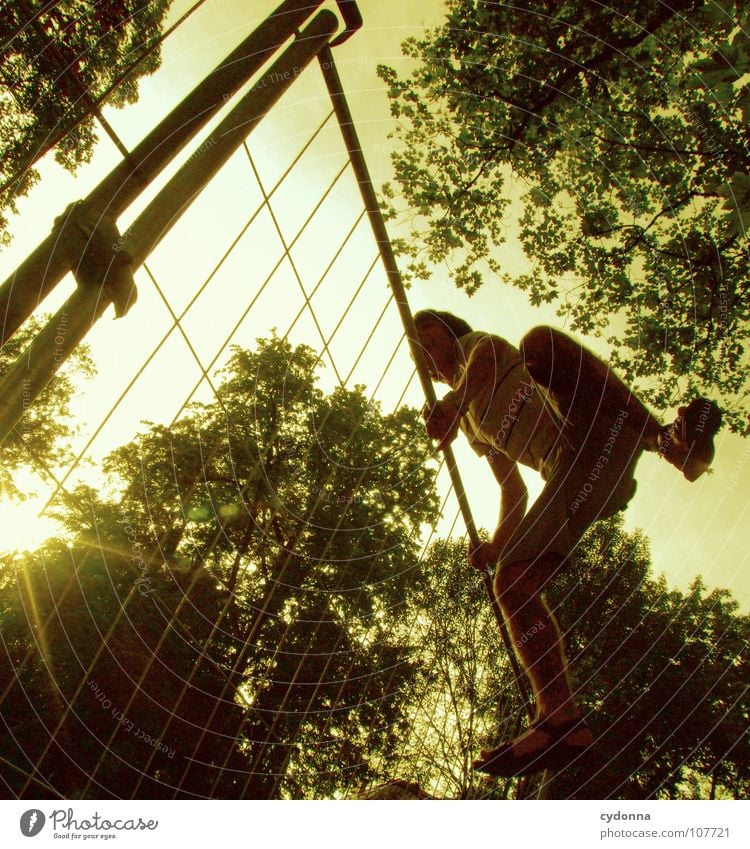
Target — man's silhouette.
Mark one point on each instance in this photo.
(551, 405)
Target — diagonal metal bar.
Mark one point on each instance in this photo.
(30, 374)
(104, 259)
(351, 139)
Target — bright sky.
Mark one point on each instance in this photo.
(694, 528)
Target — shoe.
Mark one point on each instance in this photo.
(557, 754)
(688, 443)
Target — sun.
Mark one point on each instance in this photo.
(21, 526)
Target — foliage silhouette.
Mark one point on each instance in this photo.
(57, 61)
(266, 543)
(613, 146)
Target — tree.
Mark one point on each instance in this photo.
(274, 534)
(464, 696)
(42, 438)
(59, 60)
(90, 670)
(661, 674)
(621, 138)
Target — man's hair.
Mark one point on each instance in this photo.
(457, 326)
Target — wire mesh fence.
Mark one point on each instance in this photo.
(239, 601)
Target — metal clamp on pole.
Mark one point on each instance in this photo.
(352, 21)
(97, 254)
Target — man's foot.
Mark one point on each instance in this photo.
(688, 443)
(543, 746)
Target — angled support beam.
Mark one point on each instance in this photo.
(104, 272)
(43, 269)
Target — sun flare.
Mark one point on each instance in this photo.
(21, 527)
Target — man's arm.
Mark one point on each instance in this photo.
(481, 368)
(513, 502)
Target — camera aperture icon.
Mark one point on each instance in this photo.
(32, 822)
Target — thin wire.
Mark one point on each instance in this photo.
(269, 596)
(177, 612)
(326, 271)
(370, 336)
(278, 712)
(277, 582)
(95, 103)
(244, 315)
(269, 277)
(29, 777)
(415, 625)
(176, 323)
(184, 312)
(292, 264)
(333, 652)
(247, 643)
(122, 610)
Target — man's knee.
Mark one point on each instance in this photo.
(512, 586)
(518, 581)
(576, 377)
(537, 346)
(547, 356)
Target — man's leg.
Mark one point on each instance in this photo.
(586, 387)
(538, 643)
(590, 387)
(536, 635)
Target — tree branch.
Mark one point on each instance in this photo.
(646, 148)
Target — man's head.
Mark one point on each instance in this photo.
(439, 333)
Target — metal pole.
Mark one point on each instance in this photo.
(35, 367)
(31, 372)
(351, 140)
(43, 269)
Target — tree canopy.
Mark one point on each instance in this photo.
(41, 439)
(613, 146)
(58, 60)
(661, 676)
(231, 591)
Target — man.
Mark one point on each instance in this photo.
(553, 406)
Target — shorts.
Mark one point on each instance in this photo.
(583, 484)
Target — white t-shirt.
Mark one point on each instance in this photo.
(511, 413)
